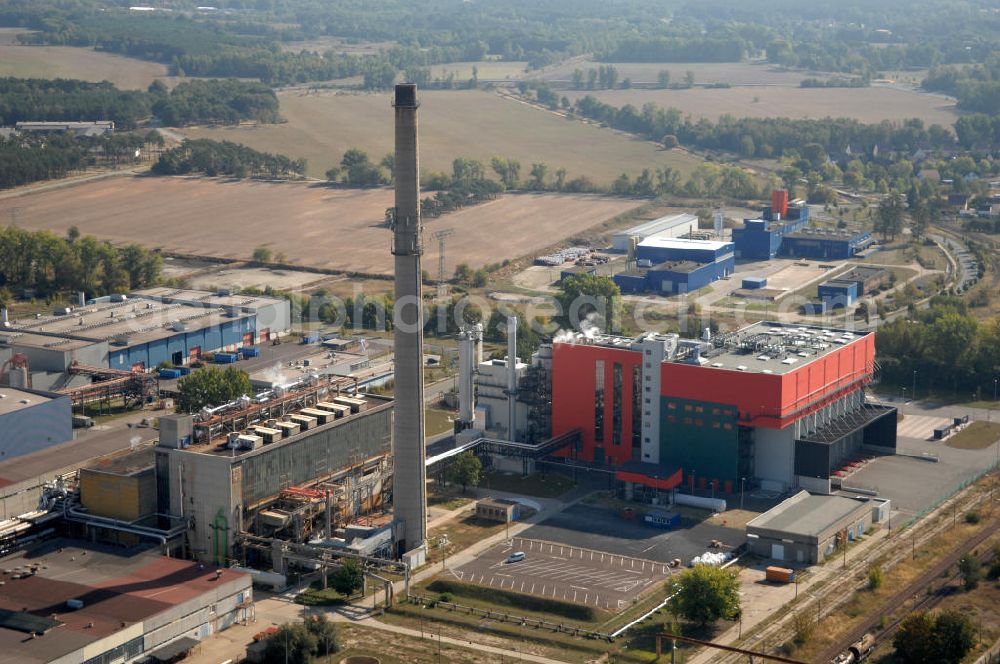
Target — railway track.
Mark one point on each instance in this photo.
(833, 595)
(916, 588)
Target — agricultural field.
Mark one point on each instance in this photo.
(323, 125)
(71, 62)
(324, 44)
(872, 104)
(490, 70)
(733, 73)
(312, 225)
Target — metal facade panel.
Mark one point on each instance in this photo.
(352, 441)
(694, 436)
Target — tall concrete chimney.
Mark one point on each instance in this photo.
(409, 495)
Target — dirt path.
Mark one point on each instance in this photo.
(514, 654)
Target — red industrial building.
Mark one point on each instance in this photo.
(777, 405)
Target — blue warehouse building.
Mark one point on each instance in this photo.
(825, 245)
(671, 266)
(141, 330)
(838, 293)
(761, 239)
(662, 250)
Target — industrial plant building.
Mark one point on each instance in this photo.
(69, 601)
(847, 288)
(141, 330)
(31, 420)
(264, 467)
(761, 239)
(670, 226)
(671, 266)
(782, 406)
(782, 231)
(820, 244)
(806, 528)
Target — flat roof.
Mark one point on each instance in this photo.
(806, 515)
(816, 234)
(119, 589)
(863, 272)
(668, 266)
(140, 320)
(777, 348)
(208, 298)
(125, 462)
(320, 363)
(660, 224)
(218, 446)
(682, 243)
(763, 347)
(42, 341)
(12, 400)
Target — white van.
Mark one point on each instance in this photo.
(515, 557)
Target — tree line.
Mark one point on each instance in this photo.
(29, 157)
(221, 101)
(49, 264)
(947, 348)
(977, 87)
(677, 49)
(765, 137)
(66, 100)
(215, 158)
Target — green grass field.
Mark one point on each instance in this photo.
(477, 124)
(978, 435)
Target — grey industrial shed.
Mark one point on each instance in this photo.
(805, 527)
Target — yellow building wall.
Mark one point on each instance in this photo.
(123, 497)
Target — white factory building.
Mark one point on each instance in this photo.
(673, 225)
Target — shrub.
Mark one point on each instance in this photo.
(876, 577)
(972, 517)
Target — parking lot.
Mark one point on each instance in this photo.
(592, 527)
(582, 576)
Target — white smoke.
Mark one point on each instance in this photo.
(134, 441)
(274, 375)
(591, 326)
(590, 329)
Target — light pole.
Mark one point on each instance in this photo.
(914, 392)
(994, 389)
(742, 482)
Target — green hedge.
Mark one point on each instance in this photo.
(514, 600)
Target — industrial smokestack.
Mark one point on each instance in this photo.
(511, 376)
(82, 298)
(466, 370)
(4, 321)
(409, 494)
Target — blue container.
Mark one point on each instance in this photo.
(225, 358)
(250, 351)
(184, 370)
(169, 374)
(665, 520)
(310, 339)
(754, 282)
